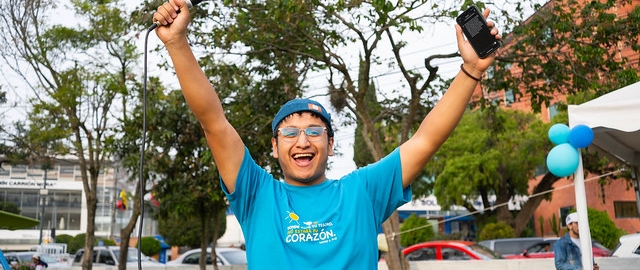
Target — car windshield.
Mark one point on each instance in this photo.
(132, 254)
(235, 256)
(484, 252)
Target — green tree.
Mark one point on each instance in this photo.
(415, 230)
(495, 231)
(555, 52)
(76, 243)
(150, 246)
(180, 165)
(80, 76)
(603, 229)
(64, 239)
(558, 49)
(492, 152)
(79, 241)
(10, 207)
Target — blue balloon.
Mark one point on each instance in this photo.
(563, 160)
(559, 134)
(580, 136)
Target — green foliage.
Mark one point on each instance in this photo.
(81, 74)
(555, 225)
(558, 49)
(527, 232)
(64, 239)
(491, 151)
(415, 230)
(180, 230)
(105, 241)
(495, 231)
(541, 224)
(23, 266)
(180, 154)
(150, 246)
(9, 207)
(76, 243)
(603, 229)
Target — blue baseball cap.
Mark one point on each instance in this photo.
(302, 105)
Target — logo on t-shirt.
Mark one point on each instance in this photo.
(308, 231)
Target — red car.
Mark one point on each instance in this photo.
(449, 250)
(544, 249)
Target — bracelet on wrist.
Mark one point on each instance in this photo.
(469, 74)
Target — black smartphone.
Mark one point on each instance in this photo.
(475, 28)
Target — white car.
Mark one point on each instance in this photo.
(16, 258)
(226, 256)
(629, 246)
(108, 255)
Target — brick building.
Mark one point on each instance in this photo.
(616, 197)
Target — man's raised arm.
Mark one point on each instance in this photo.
(224, 141)
(442, 120)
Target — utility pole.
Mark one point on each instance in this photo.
(114, 200)
(43, 195)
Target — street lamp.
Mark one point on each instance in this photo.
(43, 194)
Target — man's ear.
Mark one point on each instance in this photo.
(274, 147)
(330, 152)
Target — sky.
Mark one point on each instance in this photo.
(437, 38)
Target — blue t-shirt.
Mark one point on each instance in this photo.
(332, 225)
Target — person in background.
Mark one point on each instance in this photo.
(306, 221)
(567, 254)
(40, 265)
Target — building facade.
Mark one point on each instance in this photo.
(56, 197)
(616, 197)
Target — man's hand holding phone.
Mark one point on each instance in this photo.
(478, 41)
(478, 32)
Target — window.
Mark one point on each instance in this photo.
(423, 254)
(451, 254)
(626, 209)
(509, 97)
(553, 111)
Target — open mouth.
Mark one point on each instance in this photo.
(303, 158)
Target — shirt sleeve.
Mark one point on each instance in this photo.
(249, 180)
(383, 182)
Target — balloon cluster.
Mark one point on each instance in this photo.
(563, 159)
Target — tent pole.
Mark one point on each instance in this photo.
(583, 219)
(636, 185)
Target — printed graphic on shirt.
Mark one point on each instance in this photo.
(308, 231)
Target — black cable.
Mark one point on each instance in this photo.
(142, 146)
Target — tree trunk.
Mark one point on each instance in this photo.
(205, 229)
(395, 258)
(125, 233)
(92, 202)
(214, 237)
(527, 210)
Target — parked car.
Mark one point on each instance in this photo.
(508, 246)
(108, 255)
(225, 256)
(449, 250)
(629, 246)
(545, 249)
(14, 258)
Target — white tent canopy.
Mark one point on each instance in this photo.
(615, 121)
